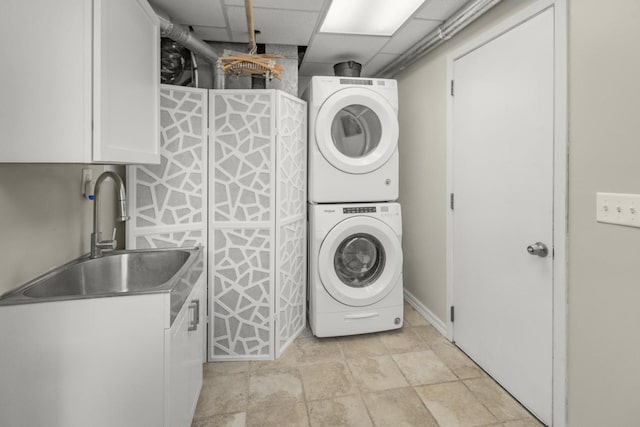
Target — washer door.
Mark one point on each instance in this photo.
(356, 130)
(360, 261)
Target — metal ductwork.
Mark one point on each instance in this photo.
(459, 20)
(182, 35)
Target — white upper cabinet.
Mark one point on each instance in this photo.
(81, 81)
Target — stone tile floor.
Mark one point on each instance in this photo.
(409, 377)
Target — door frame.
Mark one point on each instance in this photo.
(560, 185)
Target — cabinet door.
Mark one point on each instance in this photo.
(45, 106)
(185, 359)
(126, 79)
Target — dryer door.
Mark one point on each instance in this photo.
(360, 261)
(356, 130)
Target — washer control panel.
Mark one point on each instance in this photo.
(359, 209)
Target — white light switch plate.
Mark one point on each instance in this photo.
(617, 208)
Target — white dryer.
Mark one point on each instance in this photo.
(355, 268)
(353, 139)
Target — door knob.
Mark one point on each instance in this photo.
(539, 249)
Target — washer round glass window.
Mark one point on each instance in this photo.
(356, 130)
(359, 260)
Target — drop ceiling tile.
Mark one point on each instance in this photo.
(214, 34)
(316, 69)
(332, 48)
(193, 12)
(281, 4)
(439, 10)
(377, 63)
(276, 26)
(411, 33)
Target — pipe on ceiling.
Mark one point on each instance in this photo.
(459, 20)
(182, 34)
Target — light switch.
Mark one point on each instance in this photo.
(618, 208)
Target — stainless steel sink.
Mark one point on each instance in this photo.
(121, 272)
(117, 273)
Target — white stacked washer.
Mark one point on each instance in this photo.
(355, 228)
(355, 268)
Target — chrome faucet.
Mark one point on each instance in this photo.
(97, 245)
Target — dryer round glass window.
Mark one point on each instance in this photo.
(359, 260)
(356, 131)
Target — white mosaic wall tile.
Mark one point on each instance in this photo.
(173, 192)
(169, 240)
(168, 202)
(291, 280)
(242, 292)
(292, 157)
(247, 290)
(243, 145)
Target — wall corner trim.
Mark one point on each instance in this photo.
(426, 313)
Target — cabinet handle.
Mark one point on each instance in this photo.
(195, 321)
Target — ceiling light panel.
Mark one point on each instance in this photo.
(368, 17)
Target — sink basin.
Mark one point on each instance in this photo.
(114, 273)
(117, 273)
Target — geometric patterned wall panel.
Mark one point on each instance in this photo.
(168, 202)
(292, 160)
(170, 240)
(242, 292)
(172, 192)
(258, 264)
(242, 170)
(291, 281)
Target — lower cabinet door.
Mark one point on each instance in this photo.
(185, 341)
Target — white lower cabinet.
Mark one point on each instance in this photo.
(116, 361)
(184, 358)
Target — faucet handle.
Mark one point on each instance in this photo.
(113, 235)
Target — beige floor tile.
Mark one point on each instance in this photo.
(326, 380)
(453, 405)
(306, 332)
(398, 407)
(290, 415)
(423, 367)
(212, 369)
(412, 317)
(457, 361)
(341, 411)
(238, 419)
(430, 335)
(362, 346)
(376, 373)
(314, 350)
(402, 341)
(289, 359)
(275, 387)
(527, 422)
(224, 394)
(499, 402)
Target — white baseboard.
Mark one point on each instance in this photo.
(426, 313)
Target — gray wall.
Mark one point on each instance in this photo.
(44, 220)
(604, 260)
(604, 144)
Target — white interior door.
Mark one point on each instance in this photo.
(502, 178)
